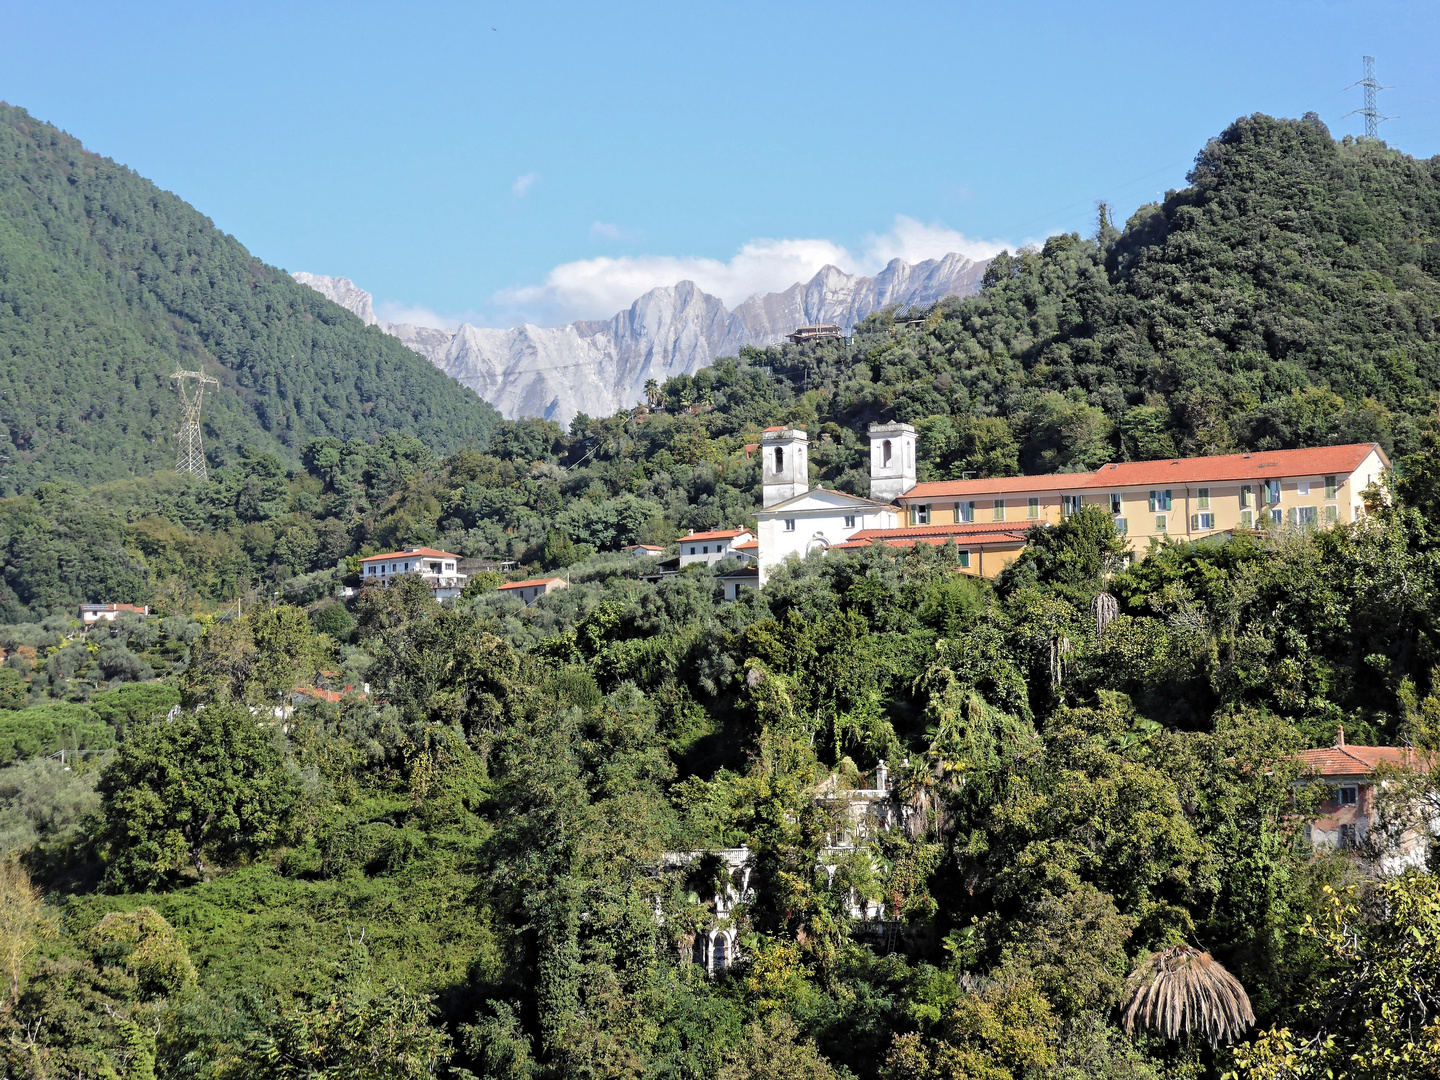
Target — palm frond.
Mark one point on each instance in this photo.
(1181, 989)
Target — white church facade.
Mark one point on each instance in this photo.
(798, 520)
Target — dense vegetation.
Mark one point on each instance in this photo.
(108, 283)
(455, 866)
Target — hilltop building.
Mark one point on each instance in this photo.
(436, 568)
(1180, 498)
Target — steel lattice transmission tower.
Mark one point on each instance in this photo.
(190, 457)
(1373, 116)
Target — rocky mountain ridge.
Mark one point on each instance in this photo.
(597, 367)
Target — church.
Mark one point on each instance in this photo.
(1180, 499)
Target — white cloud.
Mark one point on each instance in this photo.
(598, 288)
(522, 185)
(417, 315)
(600, 230)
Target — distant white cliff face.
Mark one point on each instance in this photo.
(600, 367)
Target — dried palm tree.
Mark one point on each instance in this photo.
(1182, 989)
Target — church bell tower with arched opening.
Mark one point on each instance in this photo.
(785, 464)
(892, 461)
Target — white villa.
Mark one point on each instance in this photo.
(436, 568)
(710, 547)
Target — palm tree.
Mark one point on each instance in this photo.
(1183, 989)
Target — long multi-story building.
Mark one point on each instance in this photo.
(1174, 498)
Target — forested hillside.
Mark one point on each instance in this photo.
(1289, 297)
(267, 831)
(107, 283)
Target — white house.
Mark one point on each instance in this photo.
(643, 551)
(710, 547)
(435, 568)
(90, 614)
(797, 520)
(531, 590)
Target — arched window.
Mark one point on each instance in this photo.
(719, 957)
(885, 453)
(779, 458)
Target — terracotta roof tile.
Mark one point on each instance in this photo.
(424, 552)
(1266, 465)
(1357, 760)
(714, 534)
(531, 581)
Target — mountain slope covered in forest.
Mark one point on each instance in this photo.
(107, 283)
(1289, 297)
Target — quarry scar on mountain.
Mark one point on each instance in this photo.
(600, 367)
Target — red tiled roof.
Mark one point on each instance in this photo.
(324, 695)
(1266, 465)
(532, 581)
(427, 553)
(714, 534)
(781, 427)
(1357, 760)
(642, 547)
(963, 535)
(749, 545)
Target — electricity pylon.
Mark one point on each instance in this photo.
(1373, 116)
(191, 455)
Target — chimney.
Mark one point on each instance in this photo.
(1340, 737)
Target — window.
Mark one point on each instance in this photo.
(965, 512)
(1116, 505)
(1332, 489)
(1202, 498)
(1347, 836)
(1303, 517)
(1332, 515)
(1122, 525)
(1247, 496)
(779, 458)
(692, 549)
(1032, 509)
(789, 525)
(1302, 487)
(1159, 523)
(1247, 519)
(922, 514)
(965, 560)
(999, 510)
(1272, 491)
(705, 550)
(1160, 500)
(1277, 516)
(1202, 522)
(1349, 796)
(719, 959)
(1069, 504)
(885, 453)
(849, 521)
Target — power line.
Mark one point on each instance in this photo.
(1373, 116)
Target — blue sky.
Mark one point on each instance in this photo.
(501, 162)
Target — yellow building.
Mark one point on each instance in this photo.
(1180, 498)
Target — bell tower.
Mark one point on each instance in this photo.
(892, 461)
(785, 464)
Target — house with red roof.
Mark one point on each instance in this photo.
(532, 589)
(436, 568)
(90, 614)
(711, 546)
(1347, 812)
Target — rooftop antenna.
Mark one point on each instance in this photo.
(1373, 117)
(190, 457)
